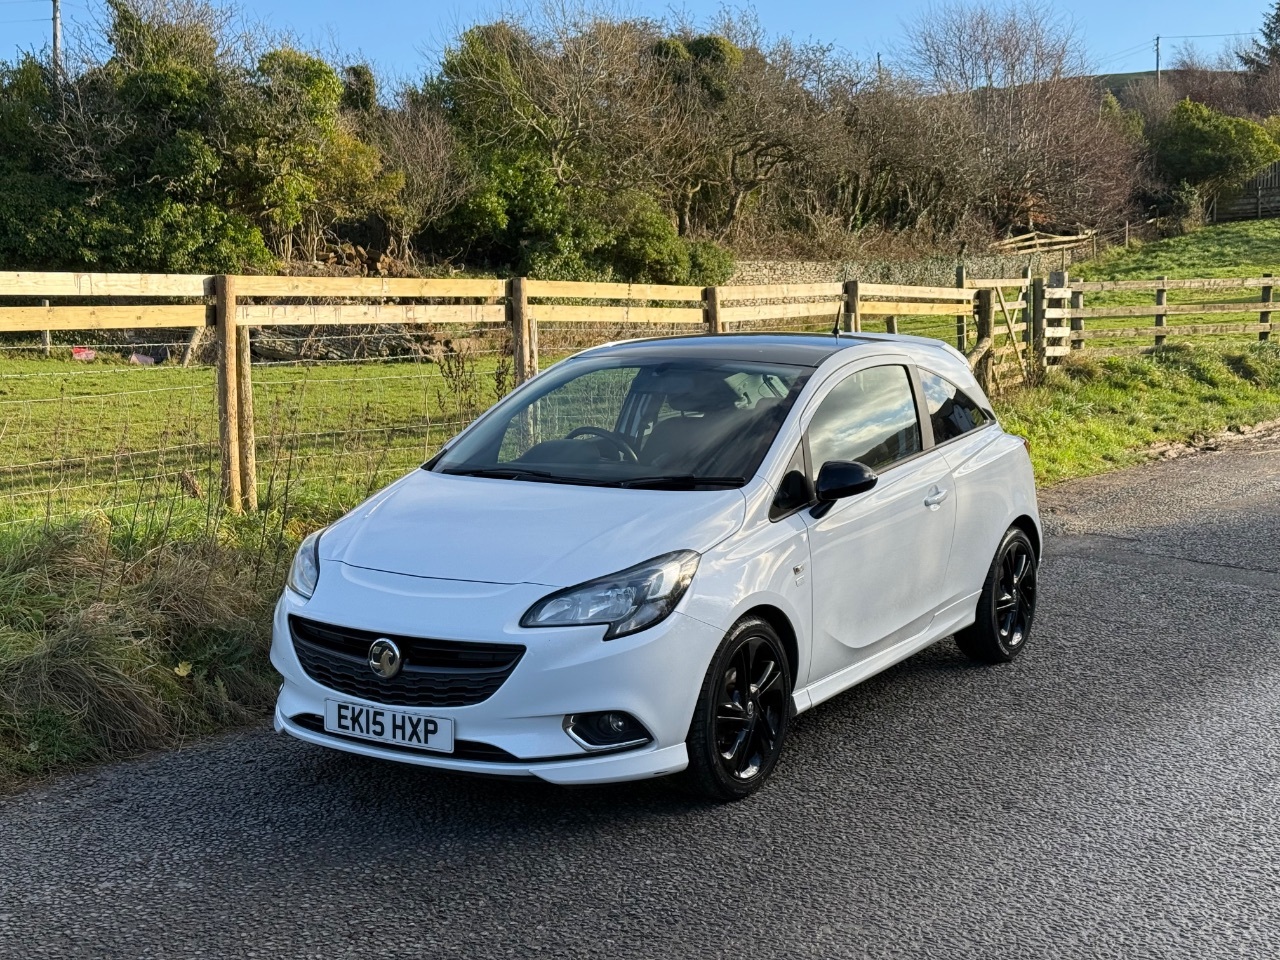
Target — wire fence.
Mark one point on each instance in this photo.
(333, 425)
(133, 422)
(102, 426)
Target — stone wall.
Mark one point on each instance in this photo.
(929, 272)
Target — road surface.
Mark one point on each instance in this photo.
(1114, 793)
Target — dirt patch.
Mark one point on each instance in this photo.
(1257, 433)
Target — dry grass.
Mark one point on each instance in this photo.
(114, 642)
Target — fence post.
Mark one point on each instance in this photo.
(852, 307)
(244, 404)
(1264, 316)
(711, 310)
(518, 316)
(1077, 323)
(533, 343)
(986, 327)
(46, 336)
(890, 324)
(1059, 279)
(962, 321)
(1037, 326)
(1162, 299)
(228, 392)
(1026, 304)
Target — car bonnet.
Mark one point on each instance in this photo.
(518, 531)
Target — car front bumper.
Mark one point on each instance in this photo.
(654, 675)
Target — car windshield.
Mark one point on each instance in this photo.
(663, 423)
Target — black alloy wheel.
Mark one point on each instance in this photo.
(1007, 606)
(743, 713)
(1016, 599)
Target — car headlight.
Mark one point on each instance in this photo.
(626, 602)
(305, 571)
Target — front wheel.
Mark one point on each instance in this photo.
(1007, 606)
(743, 713)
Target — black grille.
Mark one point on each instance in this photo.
(436, 673)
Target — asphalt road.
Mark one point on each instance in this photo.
(1114, 793)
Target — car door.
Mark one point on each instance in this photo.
(878, 559)
(964, 432)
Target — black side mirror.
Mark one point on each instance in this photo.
(843, 478)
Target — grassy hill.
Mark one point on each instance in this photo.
(1247, 248)
(1117, 82)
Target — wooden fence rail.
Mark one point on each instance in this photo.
(1081, 327)
(1010, 328)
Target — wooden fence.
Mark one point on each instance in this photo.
(1009, 328)
(1103, 327)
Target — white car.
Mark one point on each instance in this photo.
(653, 555)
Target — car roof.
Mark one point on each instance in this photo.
(797, 349)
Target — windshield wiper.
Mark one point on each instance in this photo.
(684, 481)
(518, 473)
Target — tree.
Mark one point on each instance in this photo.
(1050, 156)
(572, 85)
(1264, 51)
(1212, 152)
(1216, 82)
(418, 145)
(578, 134)
(296, 161)
(119, 165)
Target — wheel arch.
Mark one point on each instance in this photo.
(1028, 526)
(780, 622)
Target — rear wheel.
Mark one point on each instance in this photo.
(743, 713)
(1007, 606)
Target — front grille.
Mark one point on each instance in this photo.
(435, 673)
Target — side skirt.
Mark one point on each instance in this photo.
(948, 621)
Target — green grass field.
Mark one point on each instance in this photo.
(1248, 248)
(106, 435)
(1244, 249)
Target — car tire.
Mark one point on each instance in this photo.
(738, 729)
(1007, 606)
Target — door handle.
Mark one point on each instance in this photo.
(934, 499)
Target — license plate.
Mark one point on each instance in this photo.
(389, 726)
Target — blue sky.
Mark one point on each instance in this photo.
(399, 36)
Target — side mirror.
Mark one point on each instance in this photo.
(843, 478)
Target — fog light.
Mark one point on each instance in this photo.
(606, 730)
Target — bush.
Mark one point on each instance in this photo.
(709, 263)
(1210, 151)
(646, 247)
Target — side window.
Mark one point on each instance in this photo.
(869, 417)
(951, 411)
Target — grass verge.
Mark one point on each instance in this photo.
(1097, 414)
(144, 631)
(115, 640)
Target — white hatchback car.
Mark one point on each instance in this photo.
(653, 555)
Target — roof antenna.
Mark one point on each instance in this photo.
(844, 278)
